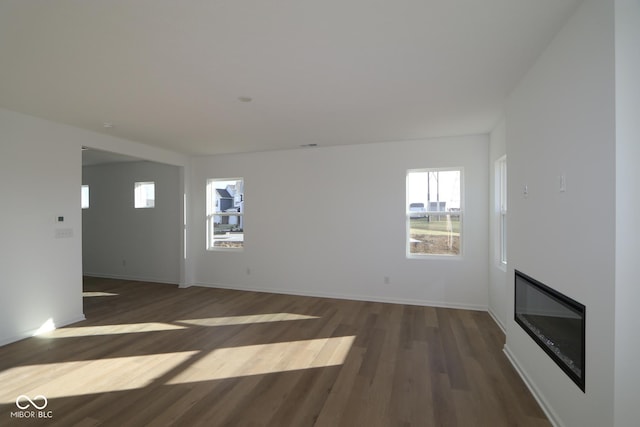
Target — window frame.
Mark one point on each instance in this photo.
(211, 212)
(461, 213)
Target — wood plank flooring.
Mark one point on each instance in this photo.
(153, 354)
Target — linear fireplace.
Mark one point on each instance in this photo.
(555, 322)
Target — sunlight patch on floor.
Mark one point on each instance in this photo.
(126, 328)
(87, 377)
(266, 358)
(243, 320)
(76, 378)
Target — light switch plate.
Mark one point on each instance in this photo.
(63, 233)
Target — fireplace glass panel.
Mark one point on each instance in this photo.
(555, 322)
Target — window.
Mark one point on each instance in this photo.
(501, 209)
(434, 212)
(144, 195)
(84, 197)
(225, 213)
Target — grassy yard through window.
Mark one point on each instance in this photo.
(437, 234)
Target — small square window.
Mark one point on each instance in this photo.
(144, 195)
(84, 197)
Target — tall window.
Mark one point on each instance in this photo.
(225, 213)
(84, 197)
(434, 212)
(501, 209)
(144, 194)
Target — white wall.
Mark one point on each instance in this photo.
(122, 242)
(330, 221)
(40, 276)
(113, 144)
(40, 178)
(498, 306)
(560, 119)
(627, 375)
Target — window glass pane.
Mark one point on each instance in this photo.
(434, 216)
(84, 197)
(501, 202)
(144, 195)
(503, 238)
(225, 213)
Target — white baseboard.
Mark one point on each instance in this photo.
(32, 332)
(498, 322)
(366, 298)
(544, 404)
(133, 278)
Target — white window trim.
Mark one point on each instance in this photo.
(439, 257)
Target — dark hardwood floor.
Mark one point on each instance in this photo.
(153, 354)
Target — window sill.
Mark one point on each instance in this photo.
(434, 257)
(214, 249)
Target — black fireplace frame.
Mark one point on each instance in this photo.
(570, 304)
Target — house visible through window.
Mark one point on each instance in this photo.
(501, 208)
(144, 195)
(225, 213)
(434, 212)
(84, 197)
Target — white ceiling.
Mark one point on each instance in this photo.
(169, 73)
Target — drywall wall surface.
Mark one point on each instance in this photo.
(497, 271)
(108, 141)
(124, 242)
(560, 123)
(330, 221)
(40, 255)
(627, 347)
